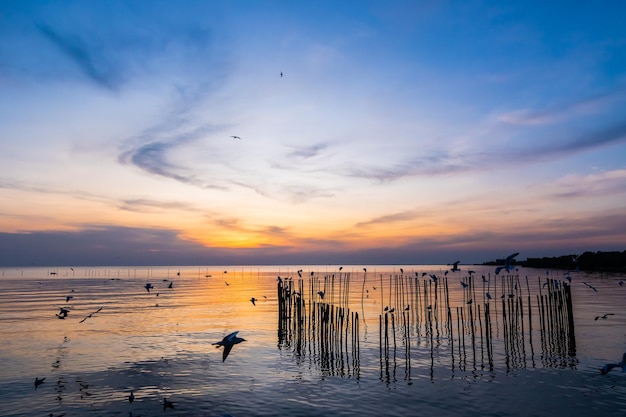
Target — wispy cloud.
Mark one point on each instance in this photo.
(390, 218)
(96, 68)
(605, 184)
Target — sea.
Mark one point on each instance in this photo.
(319, 340)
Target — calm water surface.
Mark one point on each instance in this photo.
(158, 343)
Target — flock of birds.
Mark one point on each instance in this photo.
(232, 339)
(227, 342)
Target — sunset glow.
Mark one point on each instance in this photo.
(412, 131)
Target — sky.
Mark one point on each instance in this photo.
(368, 132)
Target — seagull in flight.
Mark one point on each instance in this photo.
(607, 368)
(148, 286)
(228, 342)
(39, 381)
(590, 286)
(236, 137)
(507, 263)
(253, 300)
(90, 315)
(167, 404)
(455, 266)
(321, 294)
(606, 316)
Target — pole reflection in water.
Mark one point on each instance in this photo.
(325, 333)
(479, 339)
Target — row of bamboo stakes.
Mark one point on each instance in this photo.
(482, 321)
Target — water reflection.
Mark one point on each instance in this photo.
(457, 332)
(325, 333)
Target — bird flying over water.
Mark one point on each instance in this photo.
(455, 266)
(607, 368)
(253, 300)
(39, 381)
(167, 404)
(508, 263)
(606, 316)
(321, 294)
(590, 286)
(90, 315)
(228, 342)
(148, 286)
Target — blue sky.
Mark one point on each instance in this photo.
(400, 132)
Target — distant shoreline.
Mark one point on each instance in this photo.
(588, 261)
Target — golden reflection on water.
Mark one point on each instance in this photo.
(162, 344)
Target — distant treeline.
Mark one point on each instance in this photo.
(588, 261)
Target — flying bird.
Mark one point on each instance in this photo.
(90, 315)
(281, 74)
(236, 137)
(171, 284)
(508, 263)
(607, 368)
(148, 286)
(167, 404)
(464, 285)
(228, 342)
(321, 294)
(455, 266)
(39, 381)
(606, 316)
(253, 300)
(68, 298)
(590, 286)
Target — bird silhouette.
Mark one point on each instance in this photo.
(167, 404)
(131, 397)
(606, 316)
(253, 300)
(464, 285)
(590, 286)
(39, 381)
(455, 266)
(68, 298)
(171, 284)
(148, 286)
(235, 137)
(228, 342)
(90, 315)
(508, 263)
(607, 368)
(321, 294)
(281, 74)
